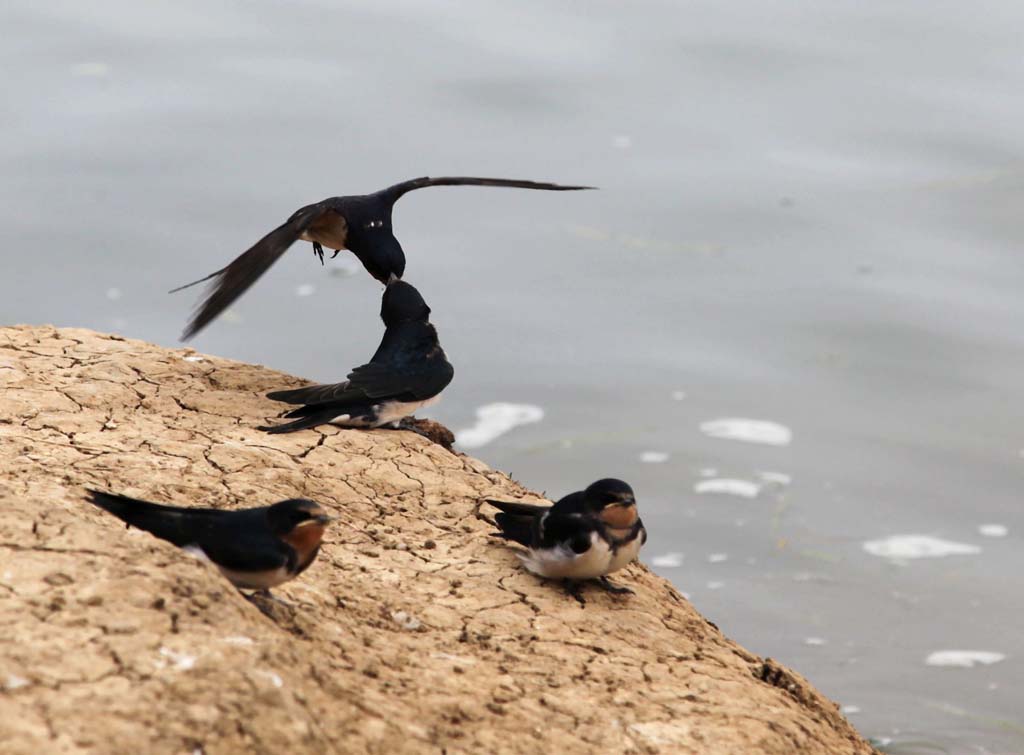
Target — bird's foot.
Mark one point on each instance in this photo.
(613, 588)
(573, 588)
(336, 253)
(271, 606)
(318, 251)
(265, 594)
(409, 423)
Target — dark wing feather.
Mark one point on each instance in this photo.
(515, 508)
(246, 545)
(572, 530)
(518, 529)
(396, 191)
(369, 382)
(311, 394)
(233, 280)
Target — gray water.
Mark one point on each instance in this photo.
(809, 214)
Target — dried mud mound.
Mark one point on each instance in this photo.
(413, 632)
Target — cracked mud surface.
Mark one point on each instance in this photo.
(413, 631)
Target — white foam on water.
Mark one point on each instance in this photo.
(306, 289)
(713, 585)
(993, 530)
(622, 142)
(778, 478)
(963, 658)
(748, 431)
(717, 558)
(494, 420)
(668, 560)
(708, 472)
(848, 710)
(678, 395)
(815, 641)
(113, 294)
(742, 488)
(92, 69)
(917, 546)
(654, 457)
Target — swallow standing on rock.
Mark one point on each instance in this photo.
(408, 371)
(360, 223)
(256, 549)
(585, 535)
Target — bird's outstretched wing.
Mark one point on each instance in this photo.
(233, 280)
(396, 191)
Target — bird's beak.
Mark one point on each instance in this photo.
(324, 518)
(391, 279)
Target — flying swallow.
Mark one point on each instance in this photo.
(408, 371)
(360, 223)
(585, 535)
(256, 549)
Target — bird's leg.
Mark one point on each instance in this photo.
(409, 423)
(573, 588)
(264, 594)
(319, 251)
(613, 588)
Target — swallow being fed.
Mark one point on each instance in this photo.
(408, 371)
(359, 223)
(586, 535)
(256, 549)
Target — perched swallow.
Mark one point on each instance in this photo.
(361, 224)
(585, 535)
(256, 549)
(408, 371)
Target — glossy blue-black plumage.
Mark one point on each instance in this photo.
(409, 366)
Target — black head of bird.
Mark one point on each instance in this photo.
(296, 513)
(402, 303)
(611, 500)
(371, 239)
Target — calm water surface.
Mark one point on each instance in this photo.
(810, 215)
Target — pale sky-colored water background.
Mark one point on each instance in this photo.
(810, 215)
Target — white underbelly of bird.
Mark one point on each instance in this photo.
(563, 563)
(260, 580)
(625, 554)
(386, 412)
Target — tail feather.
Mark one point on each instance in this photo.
(304, 421)
(196, 283)
(176, 525)
(518, 509)
(518, 529)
